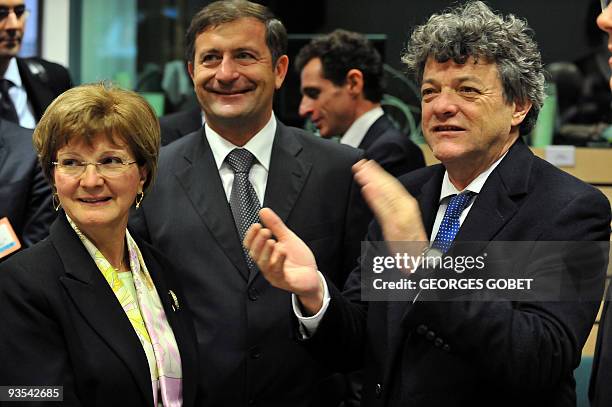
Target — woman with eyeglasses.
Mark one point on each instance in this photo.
(92, 308)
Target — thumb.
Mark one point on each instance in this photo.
(271, 221)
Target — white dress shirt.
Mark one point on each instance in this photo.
(355, 134)
(260, 146)
(448, 190)
(19, 96)
(309, 325)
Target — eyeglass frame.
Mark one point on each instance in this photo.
(604, 4)
(22, 15)
(84, 164)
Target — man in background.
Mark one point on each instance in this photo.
(341, 83)
(27, 85)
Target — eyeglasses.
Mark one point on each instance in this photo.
(604, 4)
(20, 12)
(107, 167)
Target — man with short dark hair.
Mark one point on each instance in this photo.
(27, 85)
(210, 186)
(341, 82)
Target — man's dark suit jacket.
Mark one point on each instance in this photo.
(25, 194)
(243, 324)
(176, 125)
(495, 353)
(43, 81)
(394, 151)
(62, 325)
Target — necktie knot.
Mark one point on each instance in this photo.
(240, 160)
(459, 202)
(450, 222)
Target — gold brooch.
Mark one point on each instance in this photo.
(175, 303)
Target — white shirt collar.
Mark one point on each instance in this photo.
(12, 73)
(476, 185)
(260, 145)
(355, 134)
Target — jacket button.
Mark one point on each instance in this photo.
(431, 335)
(378, 390)
(446, 347)
(255, 352)
(253, 294)
(422, 329)
(438, 342)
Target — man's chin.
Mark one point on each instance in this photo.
(8, 52)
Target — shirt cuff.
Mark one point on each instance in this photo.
(308, 325)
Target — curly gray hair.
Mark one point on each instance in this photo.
(473, 30)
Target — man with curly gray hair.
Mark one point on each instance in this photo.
(481, 82)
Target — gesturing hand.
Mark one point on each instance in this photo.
(287, 263)
(395, 209)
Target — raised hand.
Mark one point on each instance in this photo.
(285, 260)
(396, 211)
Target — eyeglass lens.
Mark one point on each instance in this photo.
(18, 10)
(604, 4)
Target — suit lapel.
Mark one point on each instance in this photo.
(496, 203)
(98, 304)
(429, 198)
(376, 129)
(199, 177)
(286, 176)
(39, 94)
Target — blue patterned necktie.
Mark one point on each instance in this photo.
(243, 199)
(450, 223)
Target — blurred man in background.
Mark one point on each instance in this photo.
(27, 85)
(341, 83)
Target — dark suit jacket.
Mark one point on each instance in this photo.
(25, 195)
(600, 392)
(43, 81)
(62, 325)
(176, 125)
(394, 151)
(479, 353)
(244, 324)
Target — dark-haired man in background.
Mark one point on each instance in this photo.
(27, 85)
(341, 82)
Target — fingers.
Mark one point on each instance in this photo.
(274, 223)
(358, 165)
(368, 171)
(250, 234)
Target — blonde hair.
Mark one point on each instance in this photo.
(100, 108)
